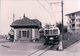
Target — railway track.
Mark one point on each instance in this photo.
(41, 51)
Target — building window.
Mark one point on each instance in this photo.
(78, 20)
(73, 25)
(73, 14)
(73, 20)
(23, 33)
(78, 25)
(78, 14)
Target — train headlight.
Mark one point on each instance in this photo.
(51, 38)
(46, 37)
(56, 36)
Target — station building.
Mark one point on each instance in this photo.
(26, 29)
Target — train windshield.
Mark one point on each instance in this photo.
(46, 31)
(55, 32)
(51, 32)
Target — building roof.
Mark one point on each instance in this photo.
(26, 22)
(72, 13)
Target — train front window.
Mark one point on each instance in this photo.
(46, 31)
(51, 32)
(55, 32)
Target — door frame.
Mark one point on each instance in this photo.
(21, 34)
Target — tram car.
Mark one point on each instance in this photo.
(52, 35)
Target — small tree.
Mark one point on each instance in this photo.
(59, 25)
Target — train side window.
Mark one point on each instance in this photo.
(46, 31)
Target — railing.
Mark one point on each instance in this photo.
(72, 17)
(73, 28)
(72, 22)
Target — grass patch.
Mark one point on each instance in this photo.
(70, 38)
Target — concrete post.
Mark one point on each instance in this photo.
(60, 44)
(15, 35)
(33, 35)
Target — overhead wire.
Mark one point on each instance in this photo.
(51, 13)
(50, 4)
(52, 9)
(42, 5)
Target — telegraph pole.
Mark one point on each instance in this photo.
(60, 47)
(61, 44)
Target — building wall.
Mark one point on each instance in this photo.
(33, 33)
(76, 18)
(16, 33)
(37, 33)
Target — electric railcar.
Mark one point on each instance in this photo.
(52, 35)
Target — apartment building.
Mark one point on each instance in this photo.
(74, 21)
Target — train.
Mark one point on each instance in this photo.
(52, 35)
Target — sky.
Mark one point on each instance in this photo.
(42, 10)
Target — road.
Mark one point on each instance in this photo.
(19, 49)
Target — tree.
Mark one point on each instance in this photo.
(48, 26)
(59, 25)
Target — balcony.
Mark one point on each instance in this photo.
(72, 28)
(72, 21)
(72, 17)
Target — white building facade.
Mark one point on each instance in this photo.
(74, 21)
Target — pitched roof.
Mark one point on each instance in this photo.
(26, 22)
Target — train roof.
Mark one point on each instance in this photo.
(53, 27)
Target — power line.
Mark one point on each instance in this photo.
(42, 5)
(47, 1)
(50, 9)
(51, 3)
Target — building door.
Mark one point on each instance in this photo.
(25, 35)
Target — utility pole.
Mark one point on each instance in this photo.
(61, 36)
(61, 44)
